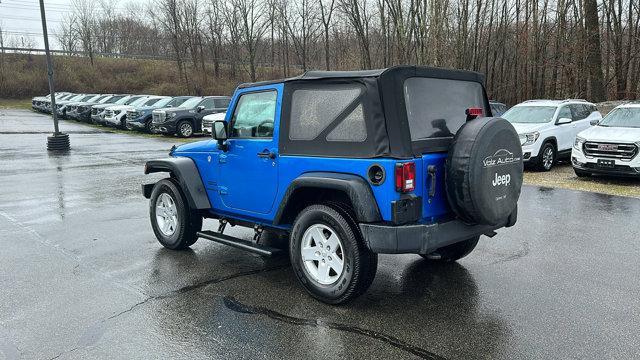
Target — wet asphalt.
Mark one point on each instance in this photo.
(82, 276)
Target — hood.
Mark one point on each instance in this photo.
(120, 107)
(522, 128)
(611, 134)
(193, 146)
(215, 117)
(167, 109)
(102, 106)
(144, 108)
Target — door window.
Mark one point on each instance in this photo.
(222, 103)
(254, 115)
(207, 103)
(564, 112)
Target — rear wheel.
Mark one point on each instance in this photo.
(174, 224)
(547, 157)
(329, 256)
(453, 252)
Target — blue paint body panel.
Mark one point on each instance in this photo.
(242, 185)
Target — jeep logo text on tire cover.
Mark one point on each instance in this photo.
(502, 180)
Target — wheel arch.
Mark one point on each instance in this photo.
(552, 140)
(323, 187)
(185, 171)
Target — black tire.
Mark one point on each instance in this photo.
(453, 252)
(182, 127)
(542, 164)
(189, 222)
(360, 264)
(581, 173)
(147, 126)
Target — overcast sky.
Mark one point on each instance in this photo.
(22, 18)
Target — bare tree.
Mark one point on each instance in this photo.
(252, 28)
(85, 13)
(326, 13)
(594, 55)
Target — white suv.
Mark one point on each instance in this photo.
(548, 128)
(611, 147)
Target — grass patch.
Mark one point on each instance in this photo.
(15, 104)
(562, 176)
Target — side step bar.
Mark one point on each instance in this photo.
(239, 243)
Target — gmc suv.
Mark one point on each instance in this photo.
(187, 119)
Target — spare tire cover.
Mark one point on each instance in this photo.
(484, 171)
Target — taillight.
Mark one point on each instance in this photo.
(474, 112)
(405, 177)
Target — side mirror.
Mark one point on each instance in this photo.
(200, 108)
(564, 121)
(594, 122)
(219, 132)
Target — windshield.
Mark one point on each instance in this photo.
(162, 102)
(530, 114)
(87, 98)
(628, 117)
(137, 102)
(191, 103)
(151, 101)
(177, 101)
(115, 99)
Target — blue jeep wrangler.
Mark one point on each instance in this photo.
(348, 165)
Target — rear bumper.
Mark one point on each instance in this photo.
(424, 238)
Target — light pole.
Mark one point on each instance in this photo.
(58, 141)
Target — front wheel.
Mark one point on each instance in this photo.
(174, 224)
(453, 252)
(329, 256)
(185, 129)
(547, 157)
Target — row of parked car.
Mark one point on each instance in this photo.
(179, 115)
(552, 130)
(549, 130)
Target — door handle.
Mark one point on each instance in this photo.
(267, 154)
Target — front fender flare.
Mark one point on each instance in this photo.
(355, 187)
(186, 172)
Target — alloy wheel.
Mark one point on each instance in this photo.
(322, 254)
(547, 157)
(185, 129)
(166, 214)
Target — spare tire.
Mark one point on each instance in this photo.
(484, 171)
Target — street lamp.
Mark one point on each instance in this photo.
(58, 141)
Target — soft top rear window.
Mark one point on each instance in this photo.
(436, 107)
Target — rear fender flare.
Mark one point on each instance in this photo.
(355, 187)
(186, 172)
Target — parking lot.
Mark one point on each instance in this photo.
(82, 275)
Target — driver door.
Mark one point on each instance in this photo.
(249, 168)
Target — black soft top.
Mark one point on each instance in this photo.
(395, 71)
(382, 101)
